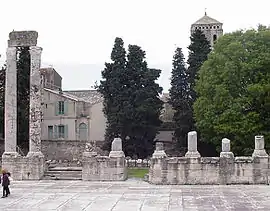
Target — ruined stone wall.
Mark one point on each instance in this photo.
(104, 168)
(65, 149)
(226, 169)
(209, 170)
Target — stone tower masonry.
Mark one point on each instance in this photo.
(210, 27)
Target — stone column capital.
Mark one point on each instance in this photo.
(33, 50)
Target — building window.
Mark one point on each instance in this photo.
(61, 131)
(83, 131)
(214, 27)
(61, 107)
(217, 27)
(50, 132)
(46, 105)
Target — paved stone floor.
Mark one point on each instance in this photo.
(132, 195)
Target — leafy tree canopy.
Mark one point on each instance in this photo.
(234, 90)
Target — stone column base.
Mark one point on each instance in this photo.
(116, 154)
(228, 155)
(193, 154)
(159, 154)
(34, 166)
(13, 162)
(259, 153)
(89, 154)
(104, 168)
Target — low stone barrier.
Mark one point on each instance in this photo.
(226, 169)
(105, 168)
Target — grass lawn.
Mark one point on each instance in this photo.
(137, 172)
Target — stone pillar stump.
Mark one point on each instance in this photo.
(226, 149)
(192, 145)
(159, 151)
(259, 150)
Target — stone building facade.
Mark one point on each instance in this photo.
(70, 118)
(210, 27)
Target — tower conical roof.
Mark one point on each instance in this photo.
(207, 20)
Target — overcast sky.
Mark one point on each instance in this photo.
(77, 35)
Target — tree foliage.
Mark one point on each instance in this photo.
(234, 90)
(131, 103)
(23, 91)
(112, 88)
(179, 98)
(199, 48)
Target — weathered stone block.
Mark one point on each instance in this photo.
(104, 168)
(13, 163)
(34, 166)
(22, 38)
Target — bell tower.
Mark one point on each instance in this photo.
(210, 27)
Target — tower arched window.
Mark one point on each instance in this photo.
(214, 37)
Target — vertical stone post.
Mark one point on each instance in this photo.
(260, 162)
(259, 150)
(116, 148)
(192, 145)
(159, 151)
(35, 112)
(226, 165)
(11, 102)
(11, 160)
(226, 149)
(34, 169)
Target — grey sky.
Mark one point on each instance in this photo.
(77, 35)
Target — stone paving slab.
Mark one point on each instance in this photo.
(132, 195)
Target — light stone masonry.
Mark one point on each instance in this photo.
(192, 145)
(259, 147)
(223, 170)
(35, 101)
(226, 149)
(11, 101)
(30, 167)
(105, 168)
(159, 151)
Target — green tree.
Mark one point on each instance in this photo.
(144, 106)
(199, 49)
(131, 103)
(112, 87)
(23, 91)
(179, 98)
(234, 91)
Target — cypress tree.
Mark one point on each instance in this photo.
(111, 87)
(179, 98)
(199, 49)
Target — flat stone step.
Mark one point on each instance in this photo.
(72, 174)
(63, 173)
(65, 168)
(61, 178)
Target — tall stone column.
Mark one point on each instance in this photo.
(11, 102)
(35, 112)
